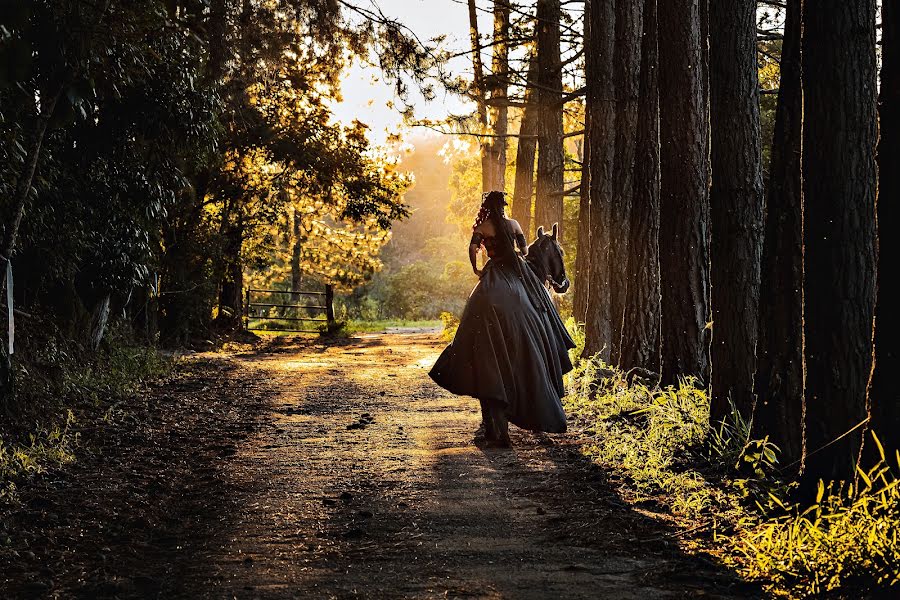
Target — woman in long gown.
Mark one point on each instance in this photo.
(511, 349)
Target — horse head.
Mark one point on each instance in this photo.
(545, 257)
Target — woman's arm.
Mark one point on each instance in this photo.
(521, 242)
(474, 247)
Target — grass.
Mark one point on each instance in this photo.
(44, 449)
(722, 491)
(354, 326)
(351, 326)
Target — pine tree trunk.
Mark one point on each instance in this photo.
(525, 154)
(627, 72)
(600, 147)
(779, 373)
(640, 339)
(498, 89)
(581, 293)
(548, 207)
(839, 187)
(885, 400)
(684, 199)
(479, 94)
(736, 205)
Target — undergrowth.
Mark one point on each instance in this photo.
(723, 491)
(60, 386)
(44, 449)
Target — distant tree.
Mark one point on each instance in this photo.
(523, 193)
(779, 374)
(498, 90)
(736, 205)
(885, 402)
(684, 196)
(489, 93)
(839, 187)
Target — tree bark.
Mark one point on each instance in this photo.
(684, 199)
(640, 339)
(885, 401)
(581, 293)
(600, 146)
(499, 112)
(479, 92)
(839, 187)
(627, 71)
(296, 250)
(548, 207)
(525, 154)
(736, 205)
(231, 298)
(779, 375)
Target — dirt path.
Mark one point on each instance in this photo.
(350, 474)
(367, 484)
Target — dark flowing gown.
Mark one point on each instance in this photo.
(511, 346)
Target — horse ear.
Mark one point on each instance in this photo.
(555, 233)
(540, 231)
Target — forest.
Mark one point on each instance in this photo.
(724, 178)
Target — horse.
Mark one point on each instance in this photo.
(545, 258)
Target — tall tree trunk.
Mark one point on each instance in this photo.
(296, 250)
(779, 372)
(23, 183)
(839, 187)
(581, 293)
(548, 207)
(525, 153)
(600, 147)
(640, 339)
(627, 73)
(231, 300)
(684, 200)
(736, 205)
(885, 401)
(498, 89)
(479, 93)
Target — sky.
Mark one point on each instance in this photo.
(367, 97)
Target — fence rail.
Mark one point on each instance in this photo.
(252, 309)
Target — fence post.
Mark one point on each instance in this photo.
(247, 310)
(329, 303)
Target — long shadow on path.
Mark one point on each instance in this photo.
(368, 485)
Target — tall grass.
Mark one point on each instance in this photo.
(722, 490)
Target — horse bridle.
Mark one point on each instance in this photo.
(546, 277)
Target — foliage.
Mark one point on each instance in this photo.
(60, 384)
(450, 323)
(44, 449)
(848, 538)
(724, 491)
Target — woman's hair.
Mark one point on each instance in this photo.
(492, 209)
